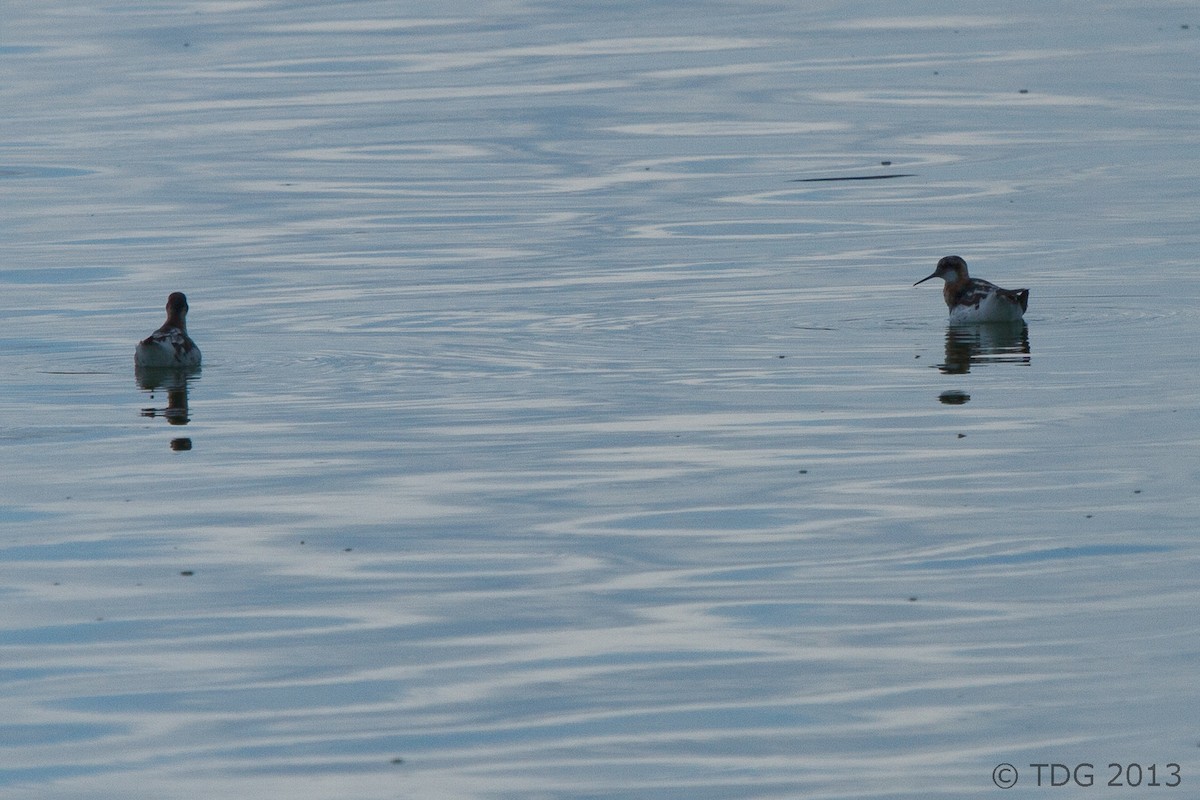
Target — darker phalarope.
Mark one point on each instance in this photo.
(169, 346)
(974, 300)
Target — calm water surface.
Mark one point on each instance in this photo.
(569, 426)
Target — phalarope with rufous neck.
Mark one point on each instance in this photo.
(169, 346)
(975, 300)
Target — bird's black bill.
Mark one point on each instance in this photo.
(934, 275)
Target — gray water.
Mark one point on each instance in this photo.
(569, 426)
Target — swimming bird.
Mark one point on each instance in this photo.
(169, 346)
(975, 300)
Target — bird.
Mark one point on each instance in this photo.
(169, 346)
(976, 300)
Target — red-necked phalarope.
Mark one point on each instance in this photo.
(169, 346)
(974, 300)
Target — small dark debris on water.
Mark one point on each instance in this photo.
(912, 599)
(397, 760)
(953, 397)
(1137, 491)
(187, 573)
(348, 550)
(783, 356)
(962, 436)
(803, 472)
(1023, 91)
(886, 163)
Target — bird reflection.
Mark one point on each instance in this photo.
(994, 343)
(175, 383)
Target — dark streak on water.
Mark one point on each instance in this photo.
(855, 178)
